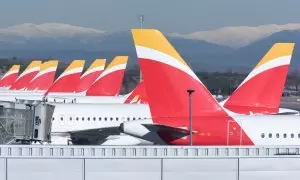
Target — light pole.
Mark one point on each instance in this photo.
(141, 19)
(191, 91)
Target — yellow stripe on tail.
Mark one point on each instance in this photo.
(117, 61)
(277, 50)
(97, 63)
(75, 64)
(155, 40)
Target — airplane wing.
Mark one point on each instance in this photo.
(168, 133)
(93, 136)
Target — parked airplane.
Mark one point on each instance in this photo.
(103, 89)
(168, 120)
(249, 98)
(212, 124)
(110, 82)
(10, 77)
(34, 89)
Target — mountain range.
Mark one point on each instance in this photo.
(205, 51)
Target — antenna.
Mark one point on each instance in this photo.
(141, 20)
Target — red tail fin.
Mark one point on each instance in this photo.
(28, 74)
(261, 91)
(10, 77)
(167, 78)
(69, 79)
(138, 95)
(90, 75)
(110, 81)
(44, 79)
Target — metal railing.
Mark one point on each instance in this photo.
(51, 151)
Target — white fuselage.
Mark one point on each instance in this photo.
(72, 117)
(78, 117)
(69, 118)
(284, 129)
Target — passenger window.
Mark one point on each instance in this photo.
(88, 118)
(128, 119)
(262, 135)
(82, 118)
(70, 118)
(77, 118)
(105, 119)
(298, 135)
(284, 135)
(292, 135)
(111, 118)
(277, 135)
(61, 118)
(133, 118)
(94, 119)
(270, 135)
(52, 118)
(99, 118)
(117, 118)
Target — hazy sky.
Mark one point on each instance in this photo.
(181, 16)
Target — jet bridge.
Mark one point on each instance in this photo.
(25, 123)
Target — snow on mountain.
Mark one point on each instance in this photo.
(238, 36)
(29, 30)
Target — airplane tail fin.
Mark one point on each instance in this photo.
(138, 95)
(44, 79)
(10, 76)
(167, 78)
(27, 75)
(262, 89)
(69, 79)
(90, 75)
(110, 80)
